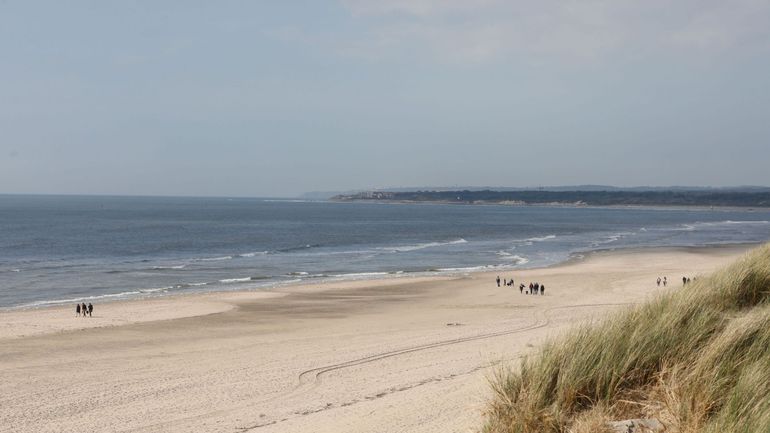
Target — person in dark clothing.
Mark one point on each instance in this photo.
(521, 288)
(77, 310)
(684, 280)
(498, 281)
(90, 309)
(542, 289)
(84, 309)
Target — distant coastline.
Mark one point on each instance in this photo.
(703, 198)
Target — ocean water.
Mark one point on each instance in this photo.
(62, 249)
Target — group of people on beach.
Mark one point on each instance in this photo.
(685, 281)
(84, 309)
(533, 289)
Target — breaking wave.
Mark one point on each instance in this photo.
(254, 254)
(158, 268)
(215, 259)
(515, 258)
(415, 247)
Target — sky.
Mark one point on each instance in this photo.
(276, 98)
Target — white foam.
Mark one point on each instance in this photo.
(517, 259)
(612, 238)
(520, 260)
(540, 239)
(608, 239)
(473, 268)
(360, 275)
(169, 267)
(216, 259)
(406, 248)
(155, 290)
(295, 280)
(80, 299)
(257, 253)
(235, 280)
(115, 295)
(729, 222)
(688, 227)
(531, 241)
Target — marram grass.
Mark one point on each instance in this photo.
(698, 360)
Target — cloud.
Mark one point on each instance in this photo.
(479, 31)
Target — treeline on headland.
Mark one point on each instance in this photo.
(700, 197)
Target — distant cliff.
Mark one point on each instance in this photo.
(699, 197)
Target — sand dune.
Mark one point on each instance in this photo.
(409, 355)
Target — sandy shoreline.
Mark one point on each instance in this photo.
(403, 354)
(20, 322)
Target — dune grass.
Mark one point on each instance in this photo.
(698, 360)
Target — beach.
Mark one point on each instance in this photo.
(389, 355)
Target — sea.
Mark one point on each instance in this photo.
(65, 249)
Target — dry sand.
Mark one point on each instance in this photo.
(399, 355)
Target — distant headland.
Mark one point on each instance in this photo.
(587, 195)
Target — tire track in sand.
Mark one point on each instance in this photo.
(316, 373)
(311, 377)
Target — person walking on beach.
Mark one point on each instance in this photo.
(90, 309)
(84, 309)
(531, 287)
(664, 282)
(658, 281)
(498, 281)
(684, 280)
(77, 310)
(521, 288)
(542, 289)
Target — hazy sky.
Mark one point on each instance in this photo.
(273, 98)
